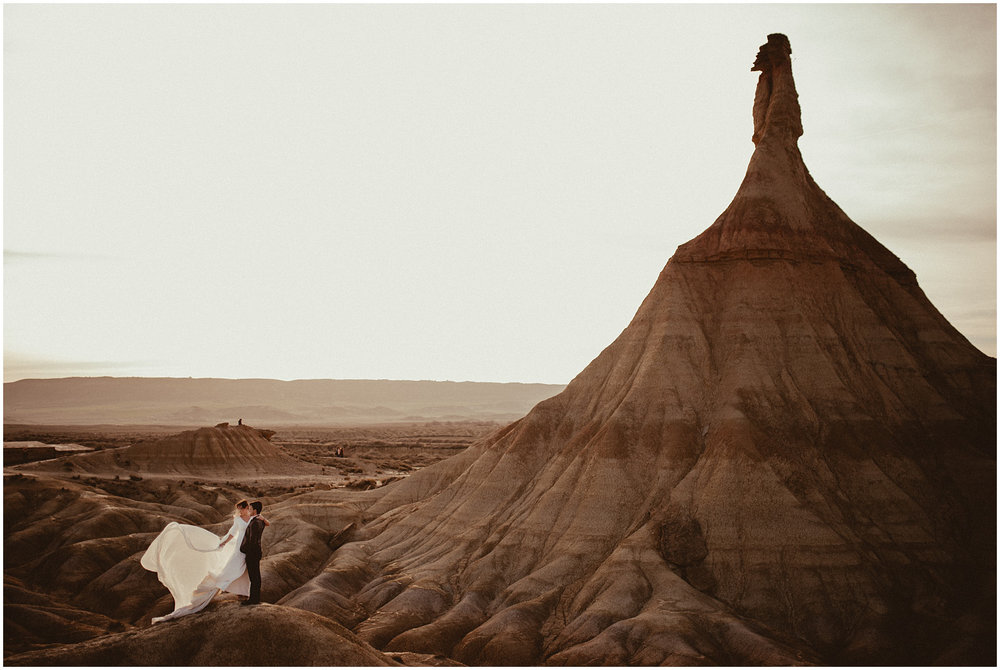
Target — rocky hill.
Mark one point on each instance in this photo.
(226, 635)
(227, 451)
(788, 456)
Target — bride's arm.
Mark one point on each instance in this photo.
(266, 522)
(233, 532)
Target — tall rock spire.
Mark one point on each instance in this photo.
(779, 210)
(776, 110)
(787, 456)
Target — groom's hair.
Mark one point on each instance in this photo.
(258, 506)
(242, 504)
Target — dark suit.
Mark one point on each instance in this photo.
(251, 547)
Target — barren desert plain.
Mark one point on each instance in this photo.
(787, 457)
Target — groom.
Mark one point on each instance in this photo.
(251, 547)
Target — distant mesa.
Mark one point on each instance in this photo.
(787, 457)
(198, 402)
(223, 451)
(15, 452)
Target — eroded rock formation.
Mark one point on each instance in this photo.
(265, 635)
(234, 451)
(72, 550)
(787, 456)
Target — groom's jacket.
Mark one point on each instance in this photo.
(251, 538)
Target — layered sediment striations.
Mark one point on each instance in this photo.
(788, 456)
(229, 451)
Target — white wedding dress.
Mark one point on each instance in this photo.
(190, 563)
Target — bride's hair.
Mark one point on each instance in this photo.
(241, 505)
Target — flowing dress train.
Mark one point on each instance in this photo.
(190, 563)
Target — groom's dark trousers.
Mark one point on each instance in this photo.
(252, 549)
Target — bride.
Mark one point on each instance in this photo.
(195, 565)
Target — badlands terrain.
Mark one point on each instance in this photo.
(75, 528)
(787, 457)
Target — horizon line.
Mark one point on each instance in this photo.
(276, 379)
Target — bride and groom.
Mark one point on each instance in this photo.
(195, 565)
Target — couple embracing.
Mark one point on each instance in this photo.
(195, 565)
(248, 526)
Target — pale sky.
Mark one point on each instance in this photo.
(463, 192)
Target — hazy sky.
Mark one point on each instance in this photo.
(464, 192)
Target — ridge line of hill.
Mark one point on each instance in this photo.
(210, 400)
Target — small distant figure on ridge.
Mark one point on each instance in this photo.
(240, 422)
(340, 452)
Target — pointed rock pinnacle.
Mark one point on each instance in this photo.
(776, 110)
(778, 210)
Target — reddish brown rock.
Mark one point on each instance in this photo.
(32, 619)
(230, 452)
(226, 635)
(72, 550)
(788, 456)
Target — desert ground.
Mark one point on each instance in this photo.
(73, 538)
(373, 454)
